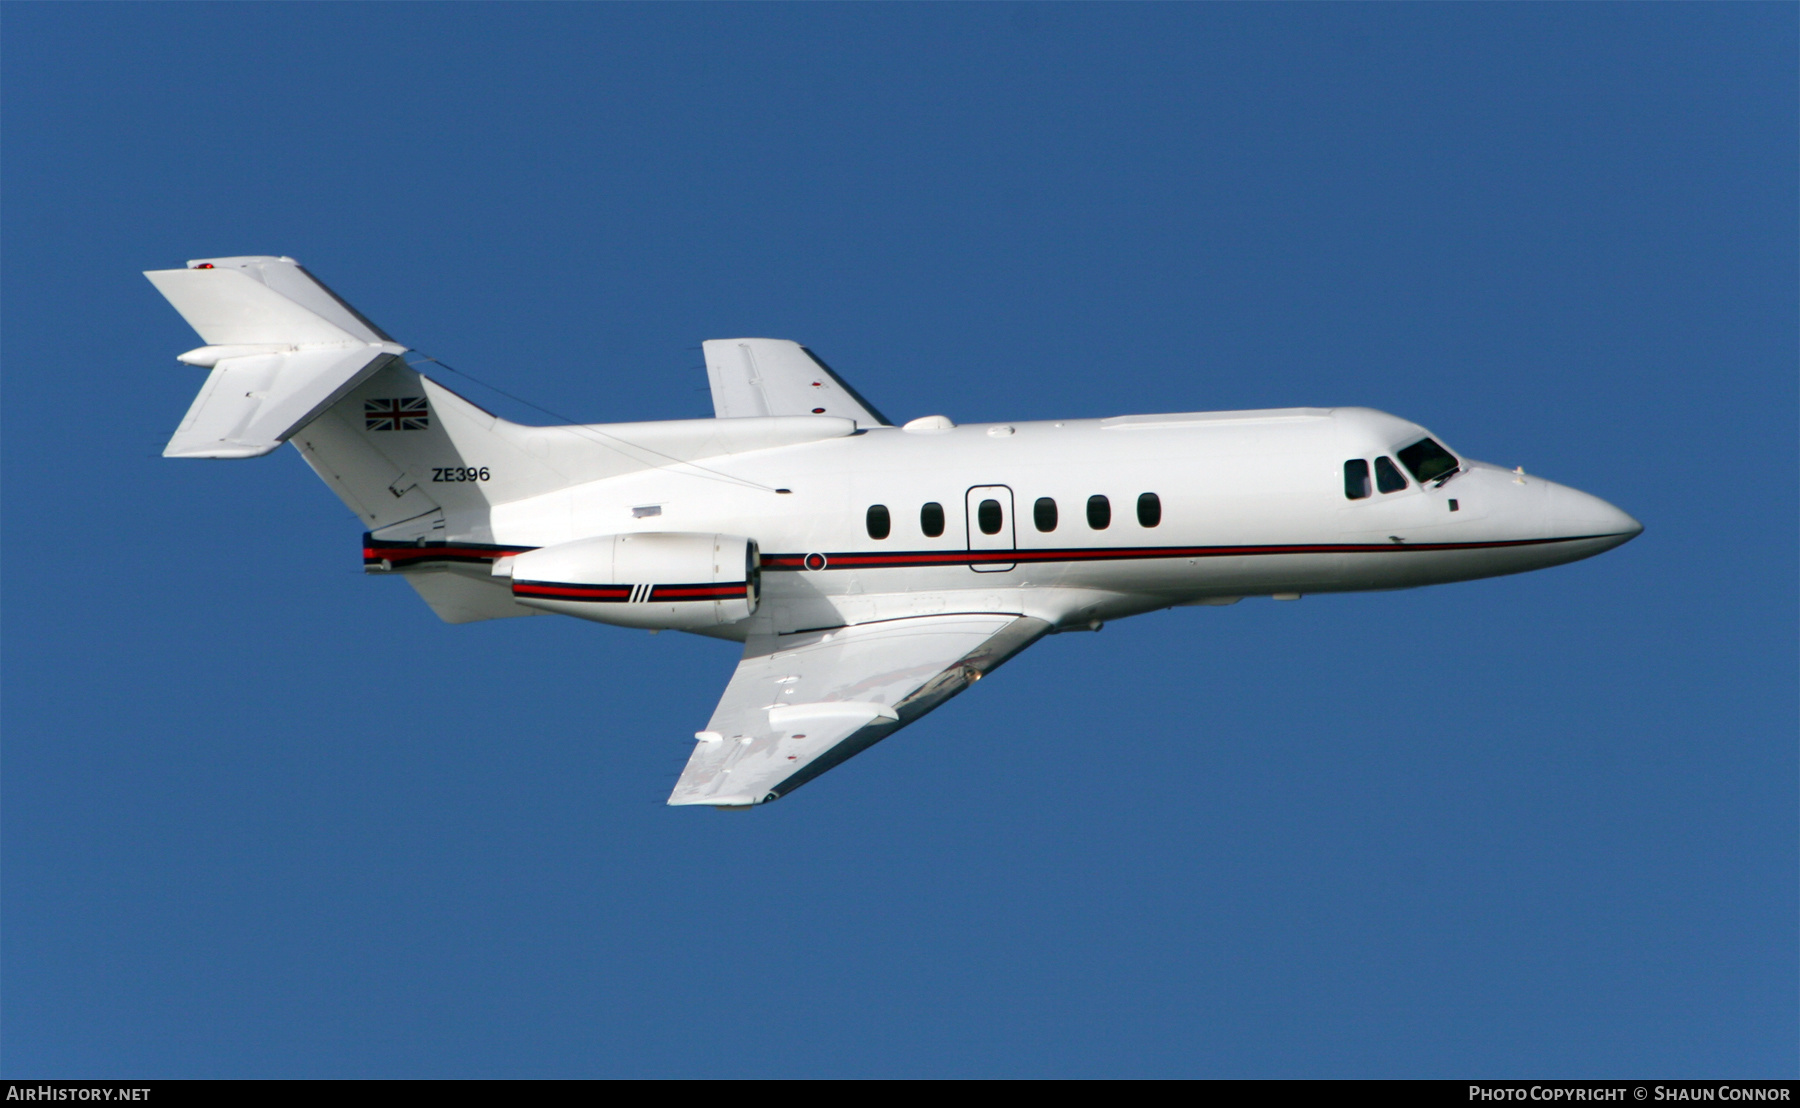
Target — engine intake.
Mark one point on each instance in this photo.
(650, 579)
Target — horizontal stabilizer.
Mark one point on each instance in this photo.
(282, 348)
(239, 301)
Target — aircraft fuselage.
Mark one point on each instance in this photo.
(997, 517)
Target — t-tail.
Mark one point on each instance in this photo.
(420, 466)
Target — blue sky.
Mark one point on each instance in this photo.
(263, 816)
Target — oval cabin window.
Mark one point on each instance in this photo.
(1043, 513)
(931, 519)
(1149, 509)
(879, 521)
(1099, 513)
(989, 517)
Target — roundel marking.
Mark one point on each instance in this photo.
(815, 561)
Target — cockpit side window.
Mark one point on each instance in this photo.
(1356, 479)
(1427, 461)
(1387, 478)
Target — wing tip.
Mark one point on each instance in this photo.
(733, 802)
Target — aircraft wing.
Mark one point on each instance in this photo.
(800, 704)
(775, 377)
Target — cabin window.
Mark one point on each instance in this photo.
(1099, 513)
(1356, 479)
(1428, 461)
(989, 517)
(1043, 513)
(931, 519)
(1149, 509)
(1387, 478)
(880, 523)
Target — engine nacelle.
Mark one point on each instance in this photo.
(651, 579)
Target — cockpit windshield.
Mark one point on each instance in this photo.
(1427, 461)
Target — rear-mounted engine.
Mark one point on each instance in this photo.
(657, 579)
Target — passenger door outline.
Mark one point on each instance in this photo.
(1005, 539)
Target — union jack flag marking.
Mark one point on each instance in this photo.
(406, 413)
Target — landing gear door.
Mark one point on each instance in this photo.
(988, 514)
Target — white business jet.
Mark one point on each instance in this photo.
(871, 571)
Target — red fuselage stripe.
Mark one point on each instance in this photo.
(1095, 554)
(923, 558)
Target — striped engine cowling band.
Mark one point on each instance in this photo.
(630, 594)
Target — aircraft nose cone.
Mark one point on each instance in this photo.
(1574, 512)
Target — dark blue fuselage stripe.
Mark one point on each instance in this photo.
(927, 558)
(919, 559)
